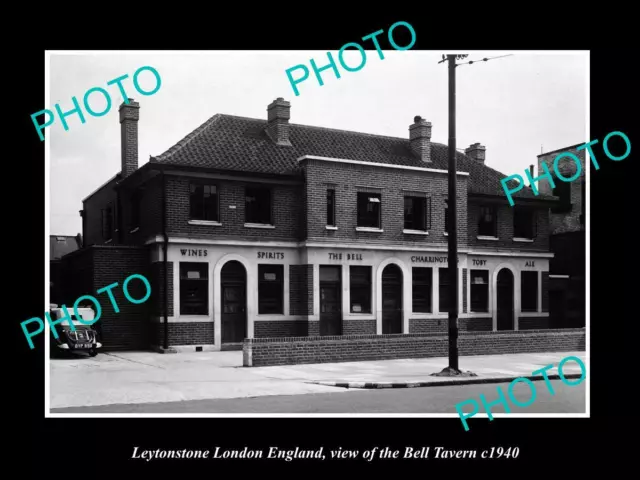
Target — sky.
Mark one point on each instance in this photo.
(516, 106)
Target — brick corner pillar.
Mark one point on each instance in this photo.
(464, 290)
(301, 295)
(545, 291)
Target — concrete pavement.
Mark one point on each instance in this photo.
(442, 399)
(146, 377)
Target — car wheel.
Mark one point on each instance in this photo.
(93, 352)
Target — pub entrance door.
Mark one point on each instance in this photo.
(233, 286)
(391, 299)
(505, 299)
(330, 300)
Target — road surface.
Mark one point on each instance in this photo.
(567, 399)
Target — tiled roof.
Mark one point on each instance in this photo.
(60, 245)
(237, 143)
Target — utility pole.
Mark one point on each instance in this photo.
(452, 369)
(453, 224)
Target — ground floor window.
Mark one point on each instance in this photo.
(360, 289)
(479, 290)
(270, 289)
(194, 288)
(444, 290)
(529, 289)
(421, 289)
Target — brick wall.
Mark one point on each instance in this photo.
(92, 232)
(156, 302)
(441, 325)
(533, 323)
(505, 229)
(280, 328)
(183, 333)
(128, 329)
(286, 211)
(90, 269)
(359, 327)
(346, 179)
(259, 352)
(150, 215)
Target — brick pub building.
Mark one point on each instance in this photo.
(262, 229)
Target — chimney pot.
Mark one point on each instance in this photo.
(129, 116)
(420, 138)
(477, 152)
(531, 170)
(278, 114)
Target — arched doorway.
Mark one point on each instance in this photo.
(505, 300)
(233, 288)
(392, 299)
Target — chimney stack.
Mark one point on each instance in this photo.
(279, 112)
(420, 138)
(476, 152)
(129, 115)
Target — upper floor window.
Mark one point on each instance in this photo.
(257, 208)
(107, 222)
(417, 213)
(203, 202)
(446, 216)
(331, 207)
(524, 222)
(488, 223)
(562, 190)
(369, 209)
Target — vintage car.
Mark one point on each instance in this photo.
(83, 339)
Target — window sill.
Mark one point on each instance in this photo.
(361, 316)
(259, 225)
(134, 230)
(369, 229)
(212, 223)
(414, 232)
(485, 313)
(523, 240)
(533, 314)
(486, 237)
(330, 227)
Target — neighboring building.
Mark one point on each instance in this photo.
(59, 246)
(567, 289)
(276, 229)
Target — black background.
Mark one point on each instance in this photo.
(97, 447)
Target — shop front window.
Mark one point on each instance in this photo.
(194, 288)
(270, 289)
(529, 288)
(479, 290)
(421, 285)
(360, 289)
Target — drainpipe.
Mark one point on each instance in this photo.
(166, 248)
